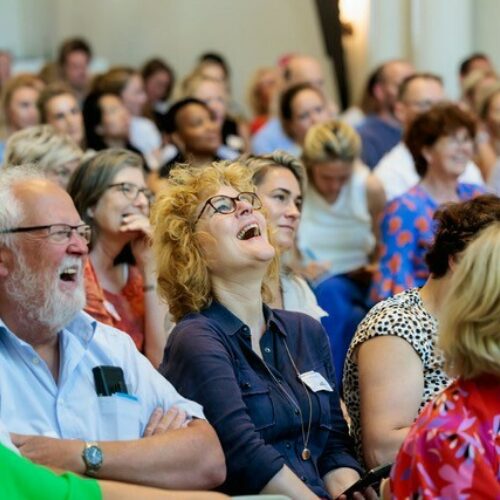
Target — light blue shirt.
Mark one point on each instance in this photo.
(32, 403)
(272, 137)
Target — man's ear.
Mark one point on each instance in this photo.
(427, 153)
(6, 257)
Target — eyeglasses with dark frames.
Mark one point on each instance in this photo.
(57, 233)
(131, 191)
(224, 204)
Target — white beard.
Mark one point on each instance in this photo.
(39, 298)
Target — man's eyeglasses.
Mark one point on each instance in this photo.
(223, 204)
(131, 191)
(57, 233)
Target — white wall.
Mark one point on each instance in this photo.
(435, 34)
(249, 33)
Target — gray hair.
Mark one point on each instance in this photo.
(11, 209)
(42, 145)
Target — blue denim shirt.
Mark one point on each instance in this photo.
(209, 358)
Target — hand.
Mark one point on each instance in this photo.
(65, 454)
(141, 245)
(315, 269)
(162, 421)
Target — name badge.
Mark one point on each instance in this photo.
(315, 381)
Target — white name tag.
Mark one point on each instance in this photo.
(315, 381)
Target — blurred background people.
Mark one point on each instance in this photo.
(58, 106)
(417, 94)
(394, 367)
(452, 449)
(54, 153)
(261, 92)
(380, 131)
(301, 106)
(194, 130)
(75, 56)
(159, 81)
(127, 84)
(110, 194)
(214, 94)
(441, 143)
(19, 105)
(337, 237)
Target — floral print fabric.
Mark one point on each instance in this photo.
(453, 449)
(406, 232)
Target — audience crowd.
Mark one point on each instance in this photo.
(195, 303)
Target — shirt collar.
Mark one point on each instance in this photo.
(231, 324)
(82, 326)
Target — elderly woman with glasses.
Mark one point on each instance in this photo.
(265, 377)
(110, 193)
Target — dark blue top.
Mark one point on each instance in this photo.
(209, 359)
(377, 138)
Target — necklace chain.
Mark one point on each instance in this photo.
(306, 453)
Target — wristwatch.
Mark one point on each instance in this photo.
(92, 458)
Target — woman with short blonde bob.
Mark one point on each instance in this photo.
(452, 450)
(55, 153)
(244, 362)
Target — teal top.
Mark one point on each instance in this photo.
(21, 479)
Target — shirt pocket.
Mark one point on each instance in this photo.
(119, 417)
(257, 398)
(324, 399)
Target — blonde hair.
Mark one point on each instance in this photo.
(470, 328)
(183, 278)
(330, 141)
(261, 165)
(42, 145)
(193, 81)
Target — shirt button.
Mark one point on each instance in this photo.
(35, 361)
(267, 350)
(303, 478)
(288, 445)
(296, 411)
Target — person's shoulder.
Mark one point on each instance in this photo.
(466, 190)
(295, 322)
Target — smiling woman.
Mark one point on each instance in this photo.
(110, 194)
(264, 376)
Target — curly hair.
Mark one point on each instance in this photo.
(469, 335)
(440, 121)
(183, 277)
(457, 225)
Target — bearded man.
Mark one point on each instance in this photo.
(49, 400)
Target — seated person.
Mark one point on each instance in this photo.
(23, 479)
(59, 107)
(383, 398)
(107, 122)
(280, 181)
(214, 93)
(337, 236)
(55, 154)
(441, 143)
(194, 130)
(282, 432)
(49, 346)
(452, 450)
(302, 106)
(110, 194)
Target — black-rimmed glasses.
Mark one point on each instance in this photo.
(57, 233)
(131, 191)
(224, 204)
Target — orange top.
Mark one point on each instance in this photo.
(124, 310)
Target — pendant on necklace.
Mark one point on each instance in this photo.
(306, 454)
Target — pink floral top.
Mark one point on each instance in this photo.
(453, 449)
